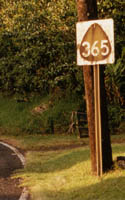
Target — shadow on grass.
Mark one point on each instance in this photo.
(110, 189)
(58, 162)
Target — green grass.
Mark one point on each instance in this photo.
(66, 175)
(17, 116)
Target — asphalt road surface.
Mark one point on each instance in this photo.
(9, 162)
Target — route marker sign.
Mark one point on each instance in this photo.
(95, 42)
(95, 45)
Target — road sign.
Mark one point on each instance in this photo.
(95, 42)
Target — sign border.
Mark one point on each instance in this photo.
(81, 29)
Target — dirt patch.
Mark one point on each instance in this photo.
(60, 147)
(9, 189)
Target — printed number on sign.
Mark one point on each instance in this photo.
(94, 50)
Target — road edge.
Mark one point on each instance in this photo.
(24, 194)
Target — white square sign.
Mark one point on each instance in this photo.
(95, 42)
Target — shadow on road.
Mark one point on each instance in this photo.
(9, 162)
(10, 197)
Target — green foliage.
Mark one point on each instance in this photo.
(114, 9)
(115, 118)
(115, 74)
(38, 45)
(115, 84)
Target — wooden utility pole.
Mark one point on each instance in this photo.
(89, 90)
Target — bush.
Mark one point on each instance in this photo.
(115, 117)
(38, 46)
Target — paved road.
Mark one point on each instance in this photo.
(9, 162)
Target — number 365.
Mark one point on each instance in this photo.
(94, 50)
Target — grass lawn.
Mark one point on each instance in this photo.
(58, 172)
(66, 175)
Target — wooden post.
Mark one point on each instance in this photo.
(98, 131)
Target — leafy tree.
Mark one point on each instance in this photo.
(115, 74)
(38, 45)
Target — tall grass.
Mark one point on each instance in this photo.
(17, 116)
